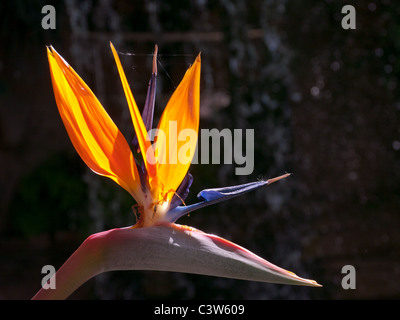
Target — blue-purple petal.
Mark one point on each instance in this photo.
(182, 192)
(211, 196)
(148, 110)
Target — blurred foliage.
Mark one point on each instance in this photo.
(51, 199)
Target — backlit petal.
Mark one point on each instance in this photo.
(137, 120)
(93, 133)
(180, 116)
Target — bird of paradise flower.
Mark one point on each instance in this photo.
(155, 242)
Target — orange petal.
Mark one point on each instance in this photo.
(94, 135)
(181, 116)
(137, 120)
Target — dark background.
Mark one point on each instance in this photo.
(324, 103)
